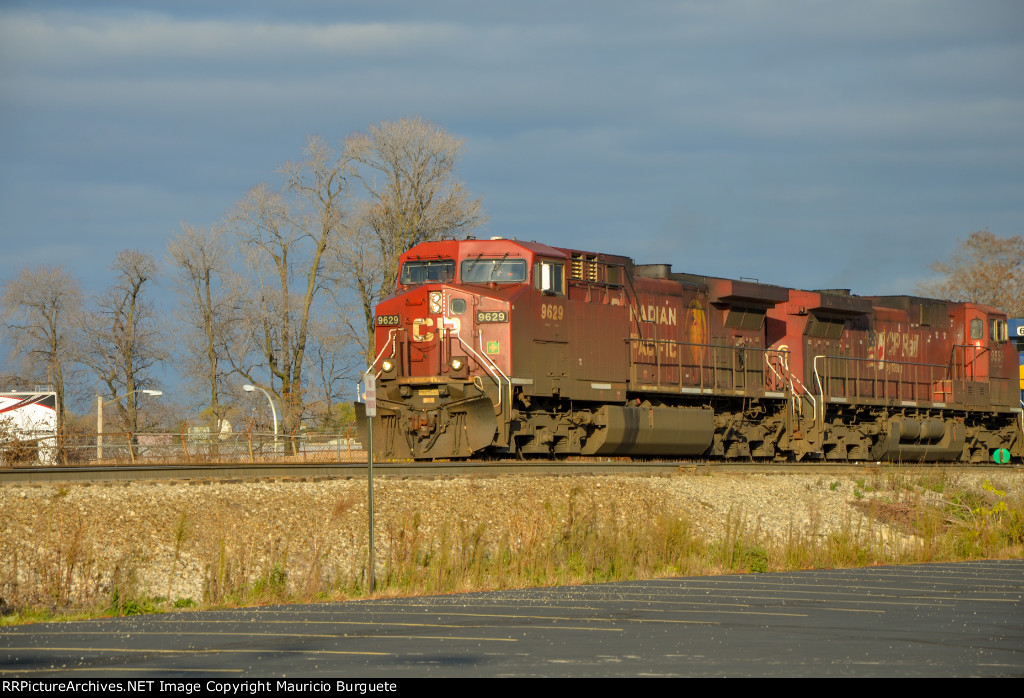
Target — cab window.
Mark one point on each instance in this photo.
(997, 330)
(434, 271)
(977, 329)
(549, 277)
(492, 271)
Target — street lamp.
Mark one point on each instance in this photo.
(249, 388)
(99, 415)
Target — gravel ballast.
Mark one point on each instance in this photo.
(173, 537)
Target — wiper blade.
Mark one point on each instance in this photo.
(474, 263)
(496, 266)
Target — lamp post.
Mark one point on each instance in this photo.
(99, 415)
(250, 388)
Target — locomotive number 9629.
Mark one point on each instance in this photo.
(550, 311)
(491, 316)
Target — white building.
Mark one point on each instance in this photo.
(28, 416)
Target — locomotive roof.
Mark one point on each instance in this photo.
(450, 247)
(722, 288)
(499, 245)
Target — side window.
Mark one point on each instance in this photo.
(977, 329)
(549, 277)
(997, 330)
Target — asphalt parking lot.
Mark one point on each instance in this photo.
(962, 619)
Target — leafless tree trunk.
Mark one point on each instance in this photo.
(357, 268)
(331, 366)
(984, 269)
(408, 170)
(212, 298)
(40, 307)
(121, 340)
(287, 235)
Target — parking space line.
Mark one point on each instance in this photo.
(143, 633)
(201, 650)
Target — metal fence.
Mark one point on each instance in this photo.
(239, 447)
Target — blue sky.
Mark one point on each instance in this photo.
(813, 144)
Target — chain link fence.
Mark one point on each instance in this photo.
(187, 447)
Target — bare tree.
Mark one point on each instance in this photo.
(121, 340)
(287, 235)
(357, 267)
(40, 307)
(984, 269)
(305, 239)
(212, 297)
(408, 170)
(331, 367)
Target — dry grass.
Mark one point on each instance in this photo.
(573, 536)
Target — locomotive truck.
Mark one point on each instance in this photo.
(507, 348)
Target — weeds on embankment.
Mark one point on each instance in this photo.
(576, 535)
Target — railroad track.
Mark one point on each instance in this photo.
(189, 472)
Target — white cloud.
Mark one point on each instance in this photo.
(74, 39)
(764, 123)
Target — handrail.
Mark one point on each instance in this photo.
(792, 381)
(391, 341)
(880, 373)
(480, 338)
(964, 363)
(481, 360)
(490, 367)
(782, 379)
(821, 393)
(713, 351)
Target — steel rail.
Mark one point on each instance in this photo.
(249, 471)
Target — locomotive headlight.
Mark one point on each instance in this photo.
(435, 301)
(458, 367)
(387, 365)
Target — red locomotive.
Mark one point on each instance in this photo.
(503, 347)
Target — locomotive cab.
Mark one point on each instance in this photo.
(443, 344)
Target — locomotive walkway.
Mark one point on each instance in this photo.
(963, 619)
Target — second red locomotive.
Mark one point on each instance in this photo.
(505, 347)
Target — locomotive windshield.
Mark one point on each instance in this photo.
(499, 271)
(434, 271)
